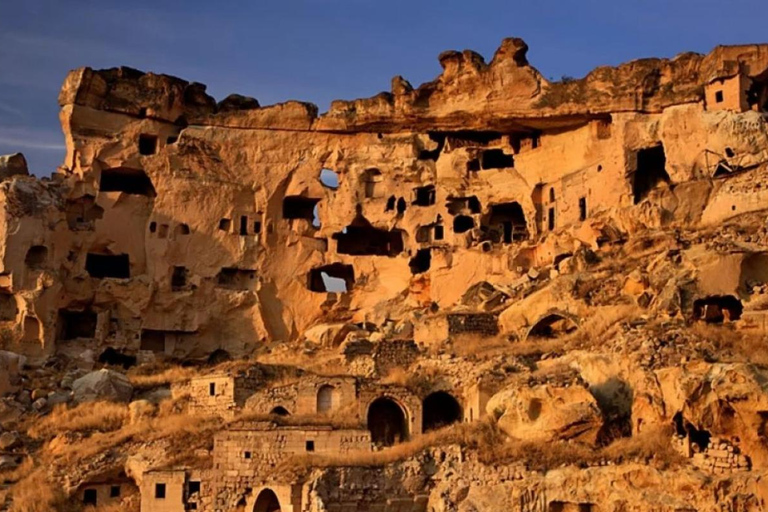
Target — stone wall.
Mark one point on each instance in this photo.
(249, 453)
(483, 324)
(221, 395)
(309, 395)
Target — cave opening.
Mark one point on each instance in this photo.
(420, 263)
(440, 410)
(651, 171)
(74, 324)
(717, 309)
(299, 207)
(126, 180)
(103, 266)
(361, 238)
(336, 277)
(506, 223)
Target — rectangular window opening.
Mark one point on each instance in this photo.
(212, 389)
(160, 491)
(179, 278)
(90, 497)
(147, 144)
(310, 445)
(114, 491)
(582, 208)
(103, 266)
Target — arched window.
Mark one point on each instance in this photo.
(552, 195)
(325, 399)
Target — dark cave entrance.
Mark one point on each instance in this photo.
(440, 410)
(651, 171)
(717, 309)
(552, 326)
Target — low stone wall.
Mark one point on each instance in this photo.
(484, 324)
(719, 457)
(394, 354)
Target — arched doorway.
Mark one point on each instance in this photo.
(279, 411)
(387, 422)
(325, 399)
(552, 325)
(267, 502)
(440, 410)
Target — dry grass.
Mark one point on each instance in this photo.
(741, 346)
(36, 493)
(471, 345)
(652, 447)
(603, 320)
(88, 417)
(163, 377)
(495, 448)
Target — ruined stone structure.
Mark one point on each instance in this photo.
(552, 263)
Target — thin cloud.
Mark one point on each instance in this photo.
(30, 138)
(4, 107)
(26, 144)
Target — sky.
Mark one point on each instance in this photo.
(321, 50)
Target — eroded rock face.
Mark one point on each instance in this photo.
(240, 224)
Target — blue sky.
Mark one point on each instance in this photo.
(320, 50)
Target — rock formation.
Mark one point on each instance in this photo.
(575, 270)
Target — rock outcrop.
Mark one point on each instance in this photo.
(102, 385)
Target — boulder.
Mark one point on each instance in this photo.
(102, 385)
(547, 413)
(12, 165)
(328, 335)
(9, 440)
(10, 365)
(7, 462)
